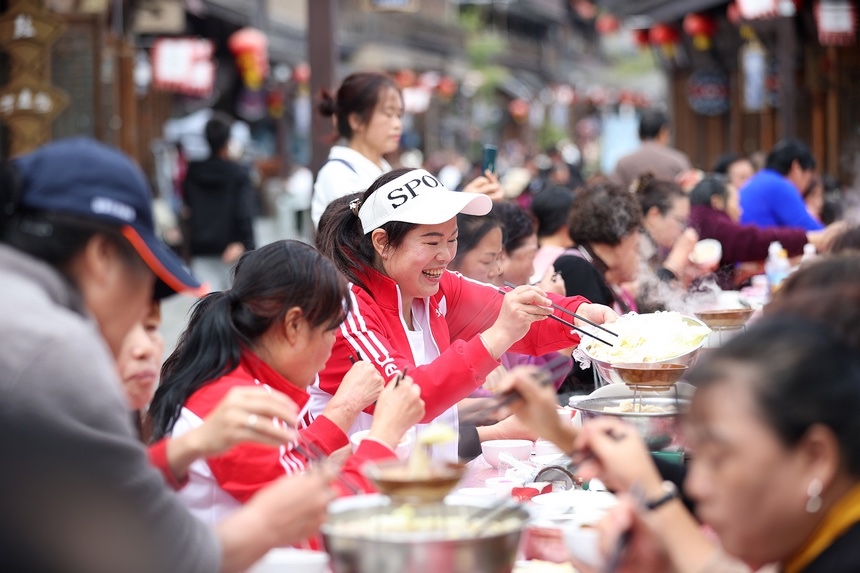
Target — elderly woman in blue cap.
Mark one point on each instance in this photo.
(79, 266)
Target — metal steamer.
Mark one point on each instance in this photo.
(455, 538)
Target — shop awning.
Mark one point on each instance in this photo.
(658, 10)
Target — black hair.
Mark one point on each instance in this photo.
(358, 94)
(53, 237)
(787, 152)
(342, 239)
(267, 283)
(517, 224)
(604, 213)
(551, 207)
(218, 132)
(470, 230)
(650, 123)
(803, 375)
(847, 240)
(653, 192)
(726, 160)
(712, 185)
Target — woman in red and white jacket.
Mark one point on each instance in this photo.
(394, 244)
(273, 329)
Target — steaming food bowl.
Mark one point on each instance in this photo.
(430, 539)
(658, 429)
(733, 318)
(609, 375)
(394, 479)
(656, 376)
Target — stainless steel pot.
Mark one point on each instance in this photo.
(659, 430)
(611, 376)
(369, 551)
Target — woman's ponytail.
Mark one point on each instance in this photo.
(209, 348)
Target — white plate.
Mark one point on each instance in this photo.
(623, 391)
(577, 500)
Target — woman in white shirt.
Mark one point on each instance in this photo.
(367, 111)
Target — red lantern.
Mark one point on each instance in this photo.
(302, 73)
(663, 34)
(447, 87)
(702, 28)
(640, 37)
(665, 37)
(606, 24)
(519, 110)
(251, 48)
(405, 79)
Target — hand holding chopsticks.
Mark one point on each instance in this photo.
(542, 377)
(569, 324)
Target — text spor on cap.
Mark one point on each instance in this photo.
(401, 195)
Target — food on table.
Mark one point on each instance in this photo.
(419, 462)
(437, 434)
(649, 338)
(402, 524)
(625, 406)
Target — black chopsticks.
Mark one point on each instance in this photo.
(544, 377)
(570, 312)
(401, 376)
(570, 324)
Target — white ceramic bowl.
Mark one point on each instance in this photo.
(519, 449)
(583, 541)
(404, 448)
(290, 560)
(707, 252)
(545, 447)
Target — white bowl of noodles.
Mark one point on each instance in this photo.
(654, 338)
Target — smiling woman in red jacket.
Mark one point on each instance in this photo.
(273, 329)
(394, 244)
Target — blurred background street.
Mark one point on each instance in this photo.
(558, 87)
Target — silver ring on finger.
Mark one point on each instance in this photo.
(252, 421)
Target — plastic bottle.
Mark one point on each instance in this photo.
(777, 265)
(809, 253)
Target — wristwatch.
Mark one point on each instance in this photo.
(670, 492)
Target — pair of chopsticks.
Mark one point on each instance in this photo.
(543, 377)
(570, 324)
(401, 376)
(314, 455)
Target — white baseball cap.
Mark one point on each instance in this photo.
(418, 197)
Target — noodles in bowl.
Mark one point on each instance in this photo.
(645, 339)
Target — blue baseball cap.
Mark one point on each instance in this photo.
(83, 177)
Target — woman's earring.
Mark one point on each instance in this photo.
(813, 504)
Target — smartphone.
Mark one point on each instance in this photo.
(489, 161)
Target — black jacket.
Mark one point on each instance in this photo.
(843, 555)
(219, 197)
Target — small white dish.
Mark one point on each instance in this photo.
(582, 540)
(545, 447)
(578, 500)
(519, 449)
(404, 448)
(289, 560)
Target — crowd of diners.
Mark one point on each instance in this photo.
(415, 306)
